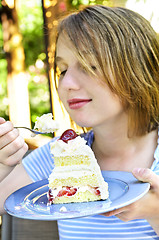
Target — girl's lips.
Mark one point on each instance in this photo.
(77, 103)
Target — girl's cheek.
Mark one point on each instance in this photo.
(61, 95)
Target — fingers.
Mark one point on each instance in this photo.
(147, 175)
(115, 212)
(135, 210)
(14, 151)
(8, 138)
(144, 207)
(2, 120)
(15, 158)
(12, 145)
(5, 127)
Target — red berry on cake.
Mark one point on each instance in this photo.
(68, 135)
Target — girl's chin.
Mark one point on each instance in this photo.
(83, 124)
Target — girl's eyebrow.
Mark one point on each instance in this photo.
(58, 59)
(84, 52)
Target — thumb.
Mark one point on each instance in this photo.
(2, 120)
(146, 175)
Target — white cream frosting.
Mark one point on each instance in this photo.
(46, 124)
(76, 146)
(63, 209)
(75, 173)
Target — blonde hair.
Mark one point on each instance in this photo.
(123, 43)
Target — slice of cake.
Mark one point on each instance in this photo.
(77, 176)
(46, 124)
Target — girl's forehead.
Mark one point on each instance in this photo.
(64, 46)
(71, 48)
(63, 39)
(63, 43)
(64, 51)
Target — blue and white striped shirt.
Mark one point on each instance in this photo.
(39, 165)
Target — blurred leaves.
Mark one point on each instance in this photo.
(3, 89)
(30, 18)
(3, 77)
(78, 3)
(31, 27)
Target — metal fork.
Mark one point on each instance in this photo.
(32, 130)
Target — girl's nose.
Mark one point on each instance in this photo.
(70, 80)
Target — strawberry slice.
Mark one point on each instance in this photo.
(71, 192)
(67, 191)
(50, 197)
(97, 191)
(69, 134)
(62, 193)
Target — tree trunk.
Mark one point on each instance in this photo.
(19, 111)
(51, 12)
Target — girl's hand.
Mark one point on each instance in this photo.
(12, 145)
(145, 208)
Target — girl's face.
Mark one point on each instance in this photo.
(89, 102)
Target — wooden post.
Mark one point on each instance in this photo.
(51, 12)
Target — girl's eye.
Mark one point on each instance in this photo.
(63, 72)
(60, 73)
(94, 68)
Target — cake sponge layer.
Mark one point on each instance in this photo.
(71, 160)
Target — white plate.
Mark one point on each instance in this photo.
(30, 202)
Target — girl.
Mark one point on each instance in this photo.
(108, 61)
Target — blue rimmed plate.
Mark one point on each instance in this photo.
(30, 202)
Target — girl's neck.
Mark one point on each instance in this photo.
(115, 151)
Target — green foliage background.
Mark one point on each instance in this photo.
(3, 76)
(31, 28)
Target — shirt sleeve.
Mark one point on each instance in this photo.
(39, 163)
(155, 165)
